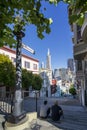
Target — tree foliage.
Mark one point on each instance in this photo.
(7, 71)
(4, 58)
(27, 78)
(72, 90)
(8, 74)
(37, 82)
(32, 12)
(78, 9)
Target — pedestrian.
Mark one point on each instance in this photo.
(56, 112)
(44, 110)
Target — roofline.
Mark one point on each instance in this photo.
(14, 52)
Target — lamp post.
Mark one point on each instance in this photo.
(36, 98)
(18, 112)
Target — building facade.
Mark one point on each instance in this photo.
(28, 63)
(84, 61)
(48, 60)
(46, 74)
(80, 56)
(64, 77)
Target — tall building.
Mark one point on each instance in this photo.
(42, 65)
(56, 73)
(46, 74)
(70, 64)
(48, 60)
(62, 73)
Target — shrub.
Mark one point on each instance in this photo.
(72, 90)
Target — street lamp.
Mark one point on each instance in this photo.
(36, 94)
(18, 113)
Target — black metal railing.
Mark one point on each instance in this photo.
(6, 103)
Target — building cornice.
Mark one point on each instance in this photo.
(14, 52)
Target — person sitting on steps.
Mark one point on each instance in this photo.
(44, 110)
(56, 112)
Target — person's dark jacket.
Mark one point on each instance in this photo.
(56, 112)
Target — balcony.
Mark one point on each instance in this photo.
(84, 30)
(80, 50)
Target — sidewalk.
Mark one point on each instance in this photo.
(2, 119)
(75, 116)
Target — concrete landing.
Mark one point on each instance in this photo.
(23, 124)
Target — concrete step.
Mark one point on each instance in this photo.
(73, 120)
(48, 124)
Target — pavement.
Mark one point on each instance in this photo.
(2, 120)
(75, 116)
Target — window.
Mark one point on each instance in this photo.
(13, 59)
(79, 65)
(27, 64)
(35, 66)
(85, 65)
(79, 38)
(7, 56)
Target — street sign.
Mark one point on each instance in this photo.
(28, 48)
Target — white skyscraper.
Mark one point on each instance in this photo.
(42, 65)
(48, 60)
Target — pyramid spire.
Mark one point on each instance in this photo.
(48, 52)
(48, 62)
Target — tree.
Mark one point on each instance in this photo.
(72, 90)
(32, 12)
(27, 78)
(37, 82)
(4, 58)
(77, 9)
(7, 72)
(30, 79)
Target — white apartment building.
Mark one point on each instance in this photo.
(46, 75)
(28, 63)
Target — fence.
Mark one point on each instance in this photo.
(6, 101)
(5, 105)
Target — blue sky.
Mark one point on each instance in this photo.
(58, 41)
